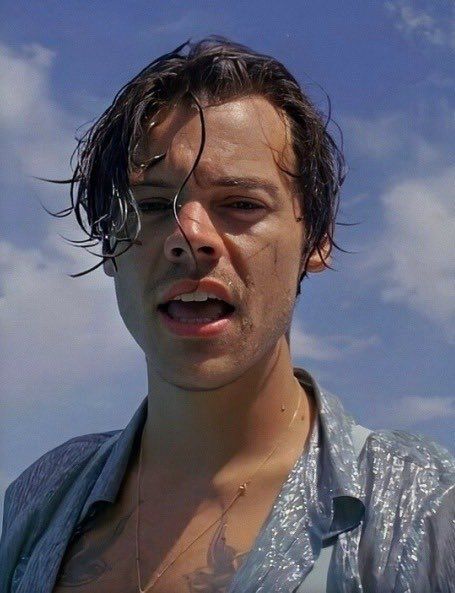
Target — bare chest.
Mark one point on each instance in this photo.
(178, 558)
(183, 544)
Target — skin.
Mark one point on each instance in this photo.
(85, 566)
(215, 404)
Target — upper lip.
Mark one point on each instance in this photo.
(205, 285)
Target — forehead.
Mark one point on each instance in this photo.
(243, 136)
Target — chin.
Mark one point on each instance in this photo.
(207, 375)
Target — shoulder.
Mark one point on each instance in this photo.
(394, 464)
(404, 449)
(409, 493)
(50, 470)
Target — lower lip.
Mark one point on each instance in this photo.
(202, 330)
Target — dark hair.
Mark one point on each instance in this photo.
(213, 69)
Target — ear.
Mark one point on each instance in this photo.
(108, 267)
(315, 261)
(108, 263)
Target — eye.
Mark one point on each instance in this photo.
(161, 205)
(154, 205)
(247, 205)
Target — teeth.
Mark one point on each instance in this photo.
(195, 296)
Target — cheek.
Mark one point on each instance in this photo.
(285, 270)
(280, 264)
(270, 278)
(129, 284)
(271, 296)
(126, 300)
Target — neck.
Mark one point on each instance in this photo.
(190, 429)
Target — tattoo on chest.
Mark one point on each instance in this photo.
(222, 564)
(85, 564)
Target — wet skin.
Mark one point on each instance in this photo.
(223, 394)
(216, 406)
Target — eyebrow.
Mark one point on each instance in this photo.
(228, 181)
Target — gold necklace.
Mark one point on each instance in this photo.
(241, 491)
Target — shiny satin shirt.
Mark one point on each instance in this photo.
(386, 517)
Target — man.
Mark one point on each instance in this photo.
(237, 473)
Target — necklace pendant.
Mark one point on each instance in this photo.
(242, 489)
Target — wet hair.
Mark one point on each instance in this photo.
(210, 71)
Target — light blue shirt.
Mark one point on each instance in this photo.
(383, 521)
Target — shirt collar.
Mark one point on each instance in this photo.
(107, 485)
(339, 506)
(339, 491)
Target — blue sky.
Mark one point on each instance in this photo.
(378, 332)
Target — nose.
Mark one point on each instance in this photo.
(200, 232)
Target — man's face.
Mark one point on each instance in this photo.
(255, 253)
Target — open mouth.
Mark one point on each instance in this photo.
(197, 312)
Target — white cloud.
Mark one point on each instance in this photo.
(50, 342)
(49, 345)
(415, 252)
(60, 330)
(355, 200)
(412, 259)
(322, 348)
(388, 137)
(178, 25)
(434, 23)
(407, 411)
(37, 135)
(375, 138)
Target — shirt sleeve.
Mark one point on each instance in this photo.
(440, 529)
(433, 561)
(6, 510)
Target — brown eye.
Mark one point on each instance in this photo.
(154, 206)
(247, 205)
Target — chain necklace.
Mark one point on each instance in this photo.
(241, 491)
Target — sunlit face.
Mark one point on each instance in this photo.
(239, 212)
